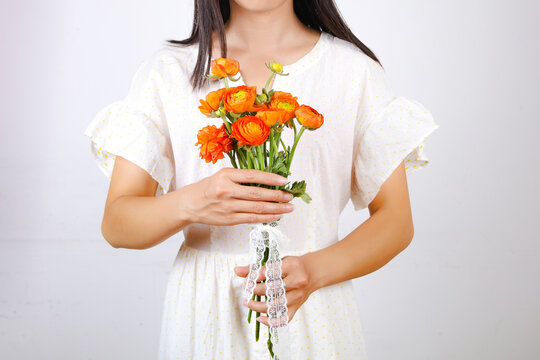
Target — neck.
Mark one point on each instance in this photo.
(277, 27)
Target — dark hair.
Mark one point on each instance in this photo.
(211, 15)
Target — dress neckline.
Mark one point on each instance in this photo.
(297, 67)
(310, 57)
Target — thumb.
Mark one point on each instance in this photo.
(241, 270)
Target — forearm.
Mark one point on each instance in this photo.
(141, 222)
(367, 248)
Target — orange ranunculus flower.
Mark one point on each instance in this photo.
(250, 130)
(238, 99)
(224, 67)
(271, 116)
(284, 101)
(214, 142)
(309, 117)
(213, 98)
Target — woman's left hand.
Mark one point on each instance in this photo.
(298, 285)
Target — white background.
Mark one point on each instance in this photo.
(466, 288)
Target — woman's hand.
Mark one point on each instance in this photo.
(221, 199)
(298, 285)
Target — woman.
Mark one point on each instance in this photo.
(369, 141)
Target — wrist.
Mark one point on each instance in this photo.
(314, 270)
(184, 215)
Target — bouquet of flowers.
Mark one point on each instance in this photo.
(251, 137)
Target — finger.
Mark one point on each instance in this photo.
(285, 265)
(262, 274)
(255, 176)
(258, 306)
(259, 207)
(249, 218)
(260, 288)
(245, 192)
(243, 271)
(263, 319)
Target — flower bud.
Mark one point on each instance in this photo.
(261, 99)
(276, 67)
(219, 112)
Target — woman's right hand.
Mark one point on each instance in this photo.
(221, 199)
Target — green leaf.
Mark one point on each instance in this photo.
(298, 189)
(306, 198)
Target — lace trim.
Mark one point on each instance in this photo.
(262, 236)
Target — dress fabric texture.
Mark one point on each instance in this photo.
(367, 132)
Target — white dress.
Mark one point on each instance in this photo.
(367, 132)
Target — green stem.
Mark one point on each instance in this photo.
(282, 143)
(227, 125)
(296, 138)
(257, 323)
(226, 79)
(250, 310)
(248, 157)
(235, 154)
(230, 117)
(270, 346)
(255, 158)
(241, 157)
(260, 157)
(274, 148)
(271, 159)
(268, 343)
(264, 154)
(274, 138)
(268, 81)
(231, 156)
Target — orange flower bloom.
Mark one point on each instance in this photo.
(214, 142)
(284, 101)
(238, 99)
(224, 67)
(309, 117)
(271, 116)
(213, 98)
(250, 130)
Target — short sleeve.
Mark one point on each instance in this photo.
(389, 129)
(136, 128)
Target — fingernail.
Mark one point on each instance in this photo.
(258, 319)
(245, 302)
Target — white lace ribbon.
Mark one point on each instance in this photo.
(262, 236)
